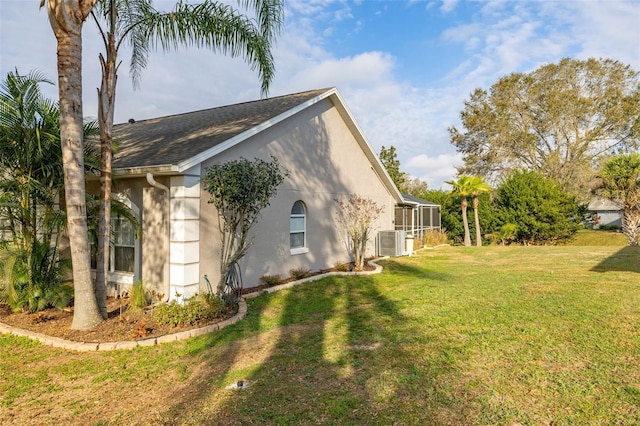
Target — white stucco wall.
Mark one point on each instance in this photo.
(324, 161)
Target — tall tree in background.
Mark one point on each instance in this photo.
(389, 159)
(462, 187)
(620, 181)
(415, 186)
(403, 181)
(67, 18)
(137, 24)
(559, 120)
(477, 185)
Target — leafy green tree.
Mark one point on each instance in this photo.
(414, 186)
(240, 190)
(558, 120)
(67, 18)
(620, 181)
(542, 211)
(137, 24)
(389, 159)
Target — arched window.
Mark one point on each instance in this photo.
(298, 228)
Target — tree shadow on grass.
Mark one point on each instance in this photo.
(336, 351)
(399, 267)
(626, 260)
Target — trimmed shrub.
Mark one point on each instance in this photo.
(195, 310)
(299, 273)
(271, 280)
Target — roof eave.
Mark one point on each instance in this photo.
(164, 169)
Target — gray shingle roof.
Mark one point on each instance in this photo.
(602, 204)
(411, 199)
(176, 138)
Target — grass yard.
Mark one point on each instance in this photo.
(452, 336)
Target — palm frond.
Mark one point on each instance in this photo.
(208, 24)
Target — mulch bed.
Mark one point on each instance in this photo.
(122, 323)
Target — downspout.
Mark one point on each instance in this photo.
(155, 184)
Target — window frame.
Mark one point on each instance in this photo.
(115, 226)
(113, 275)
(298, 249)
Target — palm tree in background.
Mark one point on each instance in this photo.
(477, 185)
(462, 188)
(620, 182)
(137, 24)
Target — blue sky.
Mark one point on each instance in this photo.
(404, 68)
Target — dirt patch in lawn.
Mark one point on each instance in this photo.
(122, 323)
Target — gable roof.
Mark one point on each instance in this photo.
(603, 204)
(174, 144)
(172, 140)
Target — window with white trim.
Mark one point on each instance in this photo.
(124, 245)
(298, 228)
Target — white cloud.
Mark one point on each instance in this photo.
(605, 29)
(434, 169)
(500, 37)
(448, 5)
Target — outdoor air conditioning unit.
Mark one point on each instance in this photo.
(390, 243)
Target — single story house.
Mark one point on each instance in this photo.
(160, 163)
(605, 213)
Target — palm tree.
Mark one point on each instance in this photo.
(31, 183)
(476, 186)
(462, 187)
(31, 174)
(136, 23)
(620, 181)
(66, 18)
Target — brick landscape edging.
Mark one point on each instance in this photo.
(72, 345)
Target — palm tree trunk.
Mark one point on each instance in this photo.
(66, 18)
(465, 221)
(106, 106)
(477, 221)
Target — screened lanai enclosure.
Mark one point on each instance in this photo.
(414, 217)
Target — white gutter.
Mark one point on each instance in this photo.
(155, 184)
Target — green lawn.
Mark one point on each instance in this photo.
(589, 237)
(478, 336)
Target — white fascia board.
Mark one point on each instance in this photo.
(230, 143)
(377, 165)
(166, 169)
